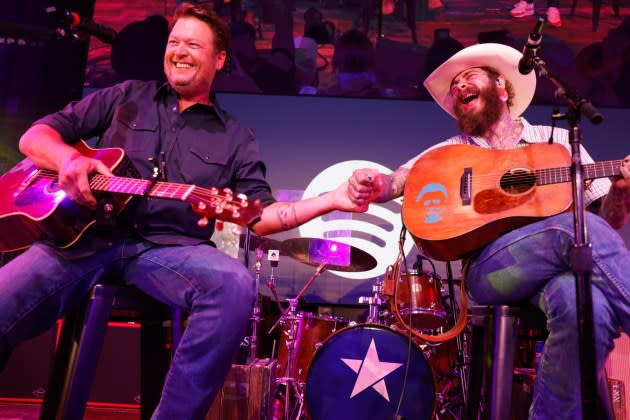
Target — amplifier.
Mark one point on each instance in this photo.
(117, 377)
(27, 372)
(618, 372)
(248, 392)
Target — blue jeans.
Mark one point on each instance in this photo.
(533, 263)
(41, 285)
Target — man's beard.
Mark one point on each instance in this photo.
(477, 123)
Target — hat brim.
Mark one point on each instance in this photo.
(500, 57)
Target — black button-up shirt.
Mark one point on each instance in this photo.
(202, 145)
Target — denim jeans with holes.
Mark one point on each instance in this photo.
(532, 263)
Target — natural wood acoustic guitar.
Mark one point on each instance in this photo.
(459, 198)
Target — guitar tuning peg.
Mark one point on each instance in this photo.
(201, 205)
(243, 200)
(236, 214)
(203, 222)
(228, 194)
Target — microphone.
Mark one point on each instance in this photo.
(526, 63)
(74, 21)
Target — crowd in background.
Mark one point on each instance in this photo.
(361, 67)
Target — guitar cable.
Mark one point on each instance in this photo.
(401, 250)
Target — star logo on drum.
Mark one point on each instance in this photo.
(371, 372)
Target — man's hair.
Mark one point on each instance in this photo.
(494, 74)
(219, 27)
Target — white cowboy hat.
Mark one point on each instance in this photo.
(500, 57)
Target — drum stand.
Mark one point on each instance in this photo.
(375, 303)
(293, 387)
(444, 401)
(291, 384)
(462, 353)
(255, 319)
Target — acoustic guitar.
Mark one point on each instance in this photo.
(459, 198)
(34, 207)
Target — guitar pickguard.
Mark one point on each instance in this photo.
(497, 201)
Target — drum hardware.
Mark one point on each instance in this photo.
(460, 340)
(273, 256)
(289, 316)
(291, 385)
(323, 254)
(420, 315)
(255, 318)
(375, 303)
(261, 245)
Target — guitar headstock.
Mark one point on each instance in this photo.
(224, 205)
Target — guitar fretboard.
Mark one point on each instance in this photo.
(591, 171)
(135, 186)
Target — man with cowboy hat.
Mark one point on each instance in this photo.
(480, 86)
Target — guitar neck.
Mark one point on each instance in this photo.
(143, 187)
(591, 171)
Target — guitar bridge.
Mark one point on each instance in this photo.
(465, 186)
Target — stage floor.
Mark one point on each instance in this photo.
(18, 411)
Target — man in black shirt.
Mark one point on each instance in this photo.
(156, 245)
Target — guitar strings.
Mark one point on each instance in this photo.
(198, 192)
(543, 176)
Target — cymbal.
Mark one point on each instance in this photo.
(255, 242)
(336, 255)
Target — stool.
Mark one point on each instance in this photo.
(596, 6)
(493, 351)
(81, 340)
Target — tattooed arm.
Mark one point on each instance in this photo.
(284, 215)
(369, 185)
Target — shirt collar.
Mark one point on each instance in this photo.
(165, 90)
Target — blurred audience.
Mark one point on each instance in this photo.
(599, 72)
(271, 71)
(525, 8)
(353, 61)
(315, 27)
(149, 36)
(605, 63)
(443, 47)
(306, 72)
(408, 11)
(276, 72)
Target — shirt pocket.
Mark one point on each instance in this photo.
(207, 168)
(133, 131)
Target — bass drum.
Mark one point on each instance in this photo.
(360, 373)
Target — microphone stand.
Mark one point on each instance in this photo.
(379, 19)
(581, 254)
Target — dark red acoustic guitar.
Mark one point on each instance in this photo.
(34, 207)
(459, 198)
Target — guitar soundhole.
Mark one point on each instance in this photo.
(518, 181)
